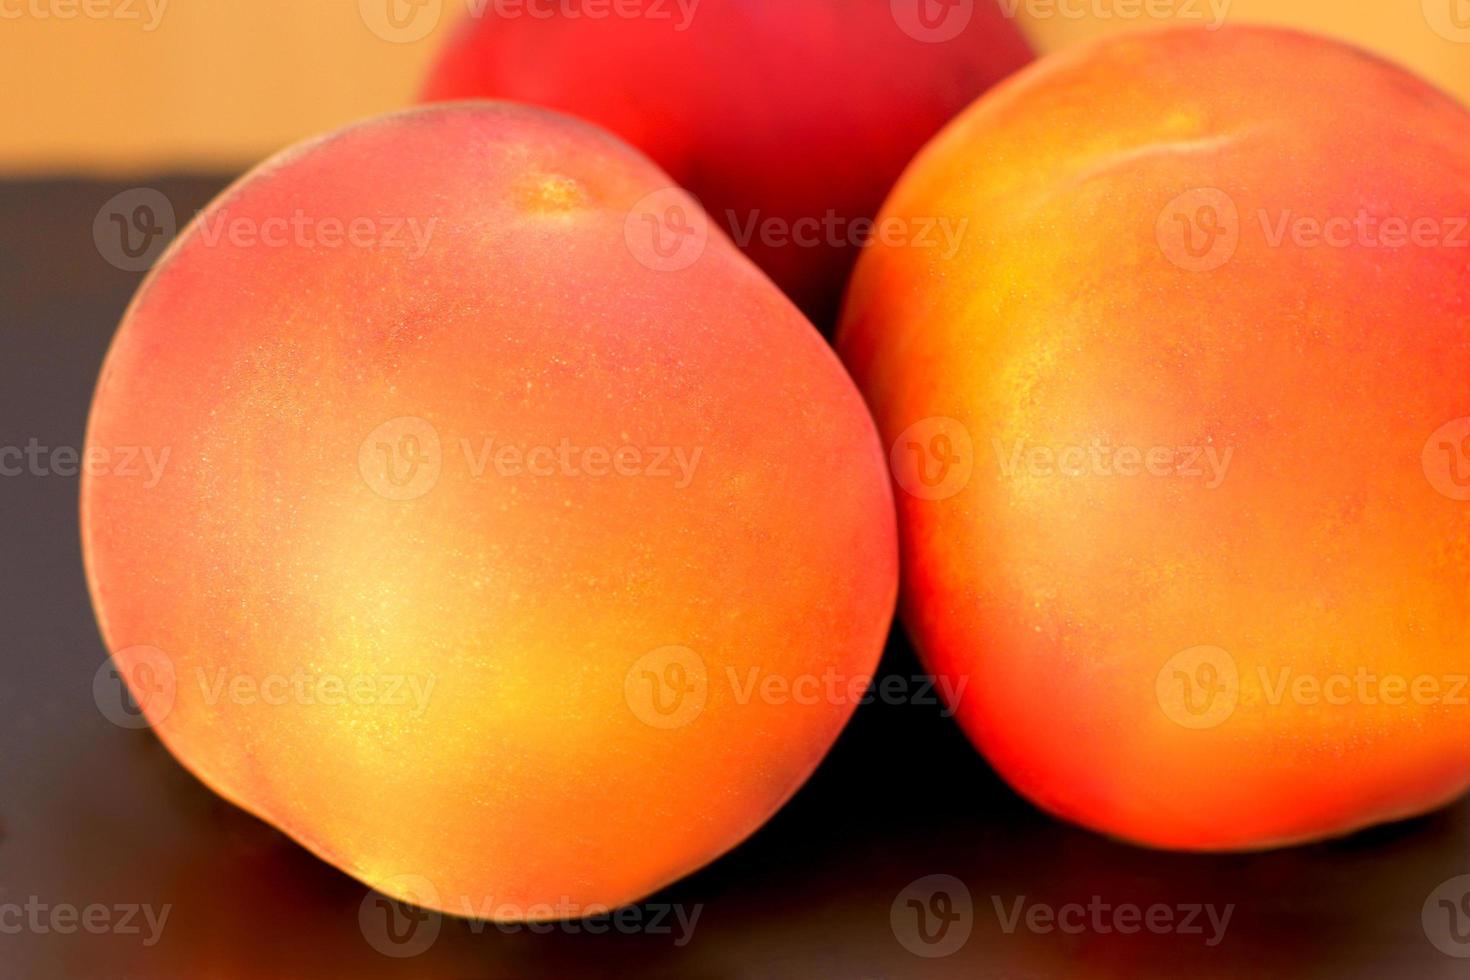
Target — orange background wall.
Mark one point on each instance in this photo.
(148, 85)
(213, 85)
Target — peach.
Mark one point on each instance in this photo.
(485, 526)
(1181, 430)
(789, 121)
(1428, 37)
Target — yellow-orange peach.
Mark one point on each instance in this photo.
(1180, 433)
(496, 490)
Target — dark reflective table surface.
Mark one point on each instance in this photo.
(116, 863)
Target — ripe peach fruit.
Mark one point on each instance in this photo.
(1428, 37)
(790, 121)
(485, 525)
(1181, 434)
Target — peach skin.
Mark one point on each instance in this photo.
(789, 120)
(489, 490)
(1180, 434)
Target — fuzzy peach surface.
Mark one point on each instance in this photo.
(1183, 489)
(477, 525)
